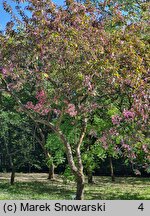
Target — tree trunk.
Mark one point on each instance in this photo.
(76, 170)
(12, 179)
(112, 170)
(51, 166)
(29, 168)
(47, 154)
(51, 172)
(90, 177)
(80, 175)
(80, 187)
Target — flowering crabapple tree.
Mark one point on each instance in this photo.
(54, 56)
(71, 61)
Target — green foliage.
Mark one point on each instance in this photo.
(113, 110)
(56, 149)
(67, 175)
(92, 156)
(16, 137)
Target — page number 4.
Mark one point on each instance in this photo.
(141, 207)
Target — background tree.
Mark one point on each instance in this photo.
(16, 141)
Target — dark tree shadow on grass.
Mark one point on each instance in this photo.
(125, 196)
(35, 188)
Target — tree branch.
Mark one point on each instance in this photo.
(52, 126)
(78, 151)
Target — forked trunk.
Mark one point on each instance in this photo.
(112, 170)
(51, 172)
(80, 187)
(76, 170)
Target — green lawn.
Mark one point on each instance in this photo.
(36, 186)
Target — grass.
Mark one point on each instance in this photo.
(36, 186)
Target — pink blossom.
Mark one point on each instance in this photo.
(87, 83)
(66, 102)
(94, 106)
(116, 119)
(41, 97)
(148, 157)
(71, 110)
(40, 94)
(103, 139)
(112, 55)
(35, 33)
(81, 107)
(128, 114)
(102, 39)
(144, 147)
(56, 111)
(113, 132)
(40, 106)
(133, 156)
(127, 147)
(121, 42)
(44, 111)
(4, 71)
(128, 81)
(29, 105)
